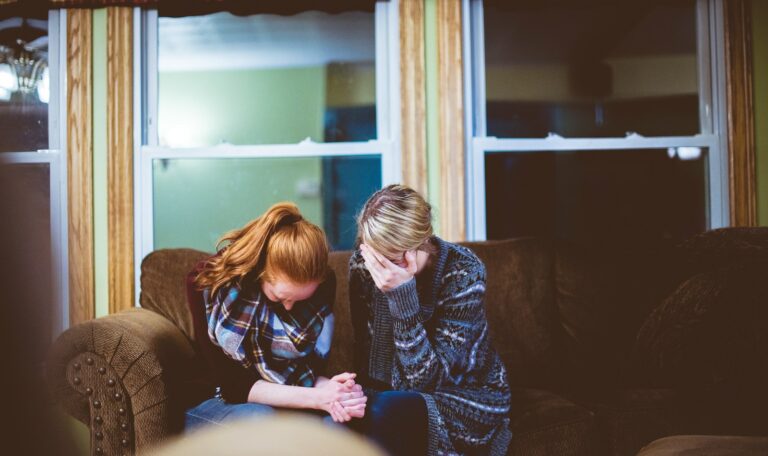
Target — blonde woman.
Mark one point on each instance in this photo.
(262, 312)
(434, 383)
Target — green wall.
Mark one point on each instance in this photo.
(100, 229)
(264, 106)
(198, 200)
(760, 62)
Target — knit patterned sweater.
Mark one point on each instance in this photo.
(430, 335)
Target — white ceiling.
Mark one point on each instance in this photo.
(225, 41)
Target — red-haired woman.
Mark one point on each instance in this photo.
(262, 311)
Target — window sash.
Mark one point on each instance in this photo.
(146, 136)
(55, 158)
(711, 74)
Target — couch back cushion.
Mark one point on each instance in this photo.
(164, 284)
(712, 330)
(603, 297)
(520, 304)
(341, 358)
(521, 309)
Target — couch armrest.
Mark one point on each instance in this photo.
(127, 376)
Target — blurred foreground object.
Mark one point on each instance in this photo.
(284, 434)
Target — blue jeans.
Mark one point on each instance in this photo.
(216, 411)
(397, 421)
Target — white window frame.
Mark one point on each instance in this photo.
(55, 158)
(712, 116)
(147, 149)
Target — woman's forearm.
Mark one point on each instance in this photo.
(284, 396)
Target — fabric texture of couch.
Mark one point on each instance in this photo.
(606, 351)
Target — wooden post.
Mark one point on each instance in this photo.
(741, 114)
(120, 157)
(451, 120)
(412, 95)
(80, 166)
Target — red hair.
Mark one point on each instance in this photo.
(278, 244)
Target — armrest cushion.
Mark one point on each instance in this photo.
(128, 376)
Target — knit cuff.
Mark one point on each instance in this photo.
(404, 301)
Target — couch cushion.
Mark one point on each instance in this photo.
(603, 298)
(714, 248)
(544, 423)
(709, 445)
(520, 305)
(712, 330)
(627, 419)
(341, 357)
(164, 284)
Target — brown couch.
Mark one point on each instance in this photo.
(565, 321)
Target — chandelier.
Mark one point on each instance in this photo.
(24, 53)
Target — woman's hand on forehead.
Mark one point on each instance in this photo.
(387, 275)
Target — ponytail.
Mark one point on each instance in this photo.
(280, 243)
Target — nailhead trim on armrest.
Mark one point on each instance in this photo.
(111, 424)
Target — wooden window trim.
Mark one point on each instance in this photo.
(740, 113)
(80, 166)
(120, 157)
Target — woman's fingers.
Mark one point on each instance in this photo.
(353, 388)
(371, 262)
(378, 272)
(386, 275)
(357, 411)
(355, 401)
(375, 274)
(410, 262)
(355, 396)
(343, 414)
(344, 377)
(359, 414)
(350, 395)
(377, 262)
(334, 415)
(383, 261)
(370, 258)
(371, 254)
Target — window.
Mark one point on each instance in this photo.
(32, 169)
(595, 121)
(241, 112)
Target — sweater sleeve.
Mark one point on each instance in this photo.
(450, 350)
(358, 307)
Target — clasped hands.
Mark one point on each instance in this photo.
(341, 397)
